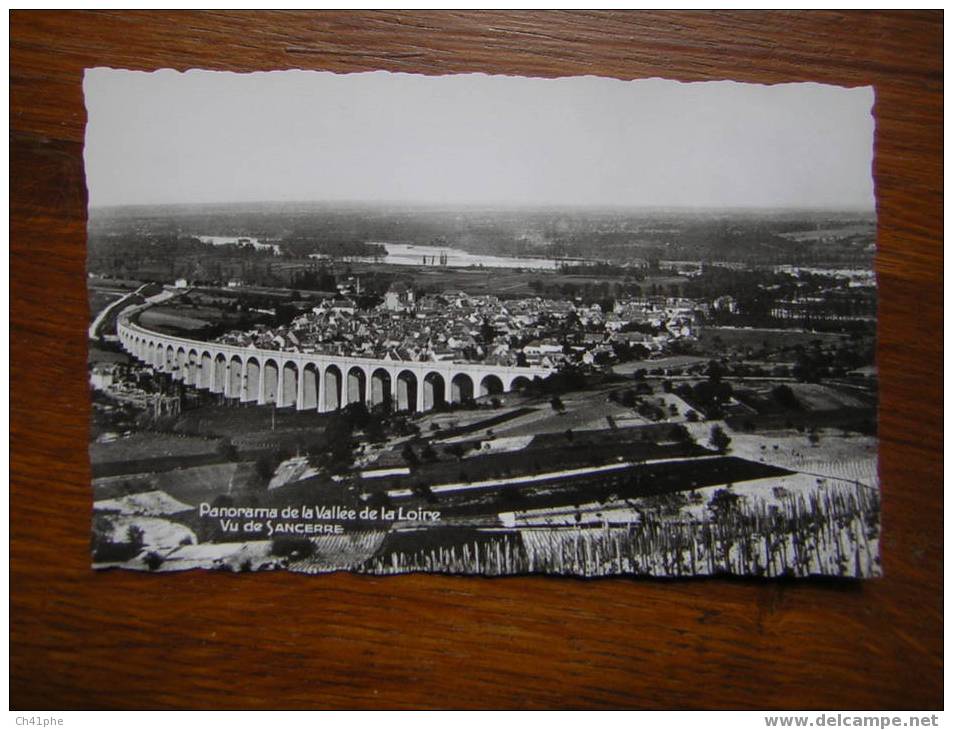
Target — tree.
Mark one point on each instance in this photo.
(785, 397)
(226, 449)
(135, 537)
(338, 448)
(374, 430)
(724, 505)
(357, 415)
(663, 505)
(424, 491)
(719, 439)
(715, 371)
(643, 388)
(487, 333)
(409, 455)
(681, 434)
(265, 467)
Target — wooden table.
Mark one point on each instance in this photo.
(126, 640)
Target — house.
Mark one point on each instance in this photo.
(342, 305)
(399, 298)
(442, 354)
(543, 347)
(725, 303)
(102, 376)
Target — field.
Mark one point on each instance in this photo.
(99, 299)
(97, 354)
(851, 457)
(584, 410)
(817, 397)
(149, 452)
(841, 232)
(175, 319)
(717, 339)
(236, 420)
(188, 485)
(859, 420)
(659, 364)
(150, 445)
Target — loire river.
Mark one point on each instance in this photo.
(409, 254)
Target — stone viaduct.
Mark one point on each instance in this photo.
(315, 382)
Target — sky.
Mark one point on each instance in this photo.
(212, 137)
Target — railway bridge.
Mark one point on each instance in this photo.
(307, 381)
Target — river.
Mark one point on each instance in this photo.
(407, 254)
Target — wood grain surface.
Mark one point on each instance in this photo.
(81, 639)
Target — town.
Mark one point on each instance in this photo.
(453, 325)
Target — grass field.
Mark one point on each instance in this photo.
(100, 299)
(718, 339)
(239, 420)
(860, 420)
(188, 485)
(150, 445)
(97, 354)
(851, 457)
(151, 452)
(178, 319)
(818, 397)
(675, 362)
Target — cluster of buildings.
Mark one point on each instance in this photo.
(456, 326)
(133, 385)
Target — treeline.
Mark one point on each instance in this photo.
(605, 293)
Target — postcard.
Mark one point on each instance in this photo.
(488, 325)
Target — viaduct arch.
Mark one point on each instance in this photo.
(316, 382)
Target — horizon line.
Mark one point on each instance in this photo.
(843, 208)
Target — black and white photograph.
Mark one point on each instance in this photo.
(390, 323)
